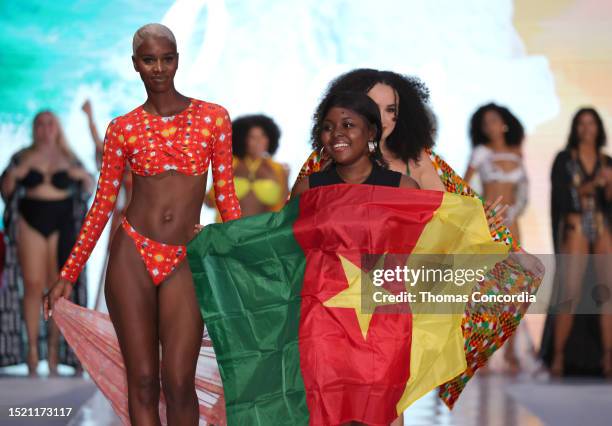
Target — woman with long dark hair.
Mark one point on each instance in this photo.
(45, 188)
(169, 142)
(581, 208)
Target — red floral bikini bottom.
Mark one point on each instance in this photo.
(160, 259)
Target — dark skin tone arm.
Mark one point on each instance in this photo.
(95, 136)
(10, 180)
(299, 188)
(606, 176)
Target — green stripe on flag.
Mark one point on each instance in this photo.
(248, 276)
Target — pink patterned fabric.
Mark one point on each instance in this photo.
(92, 337)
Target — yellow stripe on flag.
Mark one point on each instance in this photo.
(458, 227)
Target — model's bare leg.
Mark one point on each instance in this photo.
(180, 331)
(31, 249)
(53, 332)
(132, 304)
(575, 250)
(603, 251)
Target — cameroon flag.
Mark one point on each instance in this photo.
(282, 295)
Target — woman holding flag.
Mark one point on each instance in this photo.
(349, 134)
(294, 343)
(406, 145)
(407, 139)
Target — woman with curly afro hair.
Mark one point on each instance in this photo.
(397, 97)
(261, 183)
(409, 128)
(497, 136)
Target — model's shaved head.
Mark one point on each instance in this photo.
(151, 30)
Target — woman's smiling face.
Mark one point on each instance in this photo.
(345, 135)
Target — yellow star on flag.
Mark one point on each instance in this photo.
(351, 297)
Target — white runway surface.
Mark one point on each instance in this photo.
(489, 400)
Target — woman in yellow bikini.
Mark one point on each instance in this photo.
(260, 183)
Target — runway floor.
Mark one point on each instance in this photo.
(489, 400)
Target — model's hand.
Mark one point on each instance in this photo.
(495, 216)
(62, 288)
(588, 188)
(13, 175)
(197, 228)
(529, 262)
(604, 177)
(87, 108)
(79, 174)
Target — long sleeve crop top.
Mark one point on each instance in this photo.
(186, 143)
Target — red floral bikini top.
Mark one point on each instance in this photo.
(186, 143)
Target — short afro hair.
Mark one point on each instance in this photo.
(151, 30)
(361, 104)
(241, 127)
(513, 137)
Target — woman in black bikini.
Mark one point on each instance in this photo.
(45, 189)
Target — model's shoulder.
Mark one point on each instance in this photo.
(121, 121)
(208, 107)
(563, 155)
(482, 150)
(21, 155)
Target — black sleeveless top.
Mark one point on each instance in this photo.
(379, 176)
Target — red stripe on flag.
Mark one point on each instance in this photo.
(348, 377)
